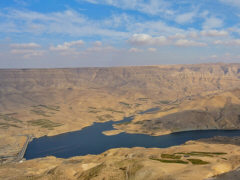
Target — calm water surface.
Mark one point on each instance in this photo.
(90, 140)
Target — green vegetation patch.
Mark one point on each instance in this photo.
(170, 156)
(40, 112)
(94, 111)
(125, 104)
(170, 161)
(108, 116)
(104, 117)
(152, 111)
(112, 110)
(7, 125)
(124, 123)
(100, 118)
(198, 161)
(169, 108)
(143, 99)
(142, 122)
(44, 123)
(139, 122)
(162, 102)
(73, 161)
(11, 114)
(137, 105)
(49, 107)
(157, 103)
(199, 153)
(9, 117)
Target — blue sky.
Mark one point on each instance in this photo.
(80, 33)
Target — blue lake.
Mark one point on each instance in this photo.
(90, 140)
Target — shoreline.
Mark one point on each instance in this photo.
(191, 136)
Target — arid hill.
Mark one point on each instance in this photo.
(88, 92)
(24, 87)
(215, 111)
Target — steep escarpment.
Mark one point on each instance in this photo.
(163, 82)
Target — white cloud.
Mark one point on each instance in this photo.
(67, 22)
(177, 36)
(152, 49)
(223, 57)
(141, 39)
(72, 49)
(153, 27)
(214, 33)
(74, 43)
(27, 45)
(66, 45)
(118, 20)
(72, 23)
(204, 14)
(185, 18)
(177, 39)
(135, 50)
(115, 29)
(100, 49)
(193, 34)
(233, 42)
(26, 50)
(145, 39)
(212, 23)
(218, 42)
(214, 56)
(97, 43)
(231, 2)
(153, 7)
(27, 53)
(186, 43)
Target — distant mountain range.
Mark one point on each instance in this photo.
(203, 95)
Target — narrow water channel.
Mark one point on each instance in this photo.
(90, 140)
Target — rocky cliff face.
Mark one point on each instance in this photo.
(164, 82)
(215, 111)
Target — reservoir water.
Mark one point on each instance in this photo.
(90, 140)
